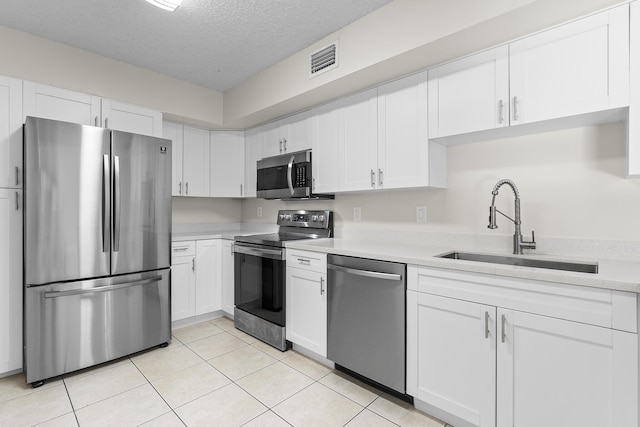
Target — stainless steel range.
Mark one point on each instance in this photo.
(260, 271)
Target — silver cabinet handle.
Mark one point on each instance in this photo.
(193, 264)
(284, 140)
(280, 146)
(365, 273)
(180, 249)
(186, 187)
(95, 121)
(105, 203)
(500, 111)
(116, 203)
(486, 324)
(322, 286)
(180, 188)
(373, 178)
(240, 190)
(380, 177)
(17, 175)
(304, 261)
(57, 294)
(515, 108)
(313, 184)
(106, 122)
(504, 332)
(17, 202)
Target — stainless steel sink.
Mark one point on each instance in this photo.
(524, 262)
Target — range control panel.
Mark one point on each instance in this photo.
(305, 219)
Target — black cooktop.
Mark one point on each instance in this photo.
(294, 225)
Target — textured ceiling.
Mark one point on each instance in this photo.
(213, 43)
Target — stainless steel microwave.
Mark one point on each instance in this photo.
(288, 176)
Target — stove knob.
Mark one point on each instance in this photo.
(281, 216)
(287, 217)
(321, 218)
(314, 218)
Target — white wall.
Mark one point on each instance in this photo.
(34, 58)
(202, 210)
(571, 183)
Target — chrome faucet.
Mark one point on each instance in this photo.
(518, 242)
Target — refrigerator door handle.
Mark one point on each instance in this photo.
(105, 202)
(57, 294)
(116, 203)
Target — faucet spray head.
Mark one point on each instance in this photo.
(492, 218)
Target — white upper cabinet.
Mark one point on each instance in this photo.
(324, 143)
(195, 162)
(633, 134)
(174, 132)
(470, 94)
(252, 153)
(10, 132)
(131, 118)
(190, 159)
(576, 68)
(287, 135)
(60, 104)
(227, 164)
(405, 157)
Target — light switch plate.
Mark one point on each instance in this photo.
(421, 214)
(357, 213)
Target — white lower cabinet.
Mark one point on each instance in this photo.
(228, 298)
(478, 354)
(195, 278)
(11, 205)
(306, 300)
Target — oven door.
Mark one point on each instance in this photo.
(260, 281)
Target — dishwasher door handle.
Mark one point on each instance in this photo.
(365, 273)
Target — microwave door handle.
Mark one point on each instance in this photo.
(290, 174)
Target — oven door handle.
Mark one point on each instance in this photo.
(260, 252)
(290, 174)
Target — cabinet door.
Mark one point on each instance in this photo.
(272, 138)
(227, 267)
(558, 372)
(403, 147)
(131, 118)
(576, 68)
(470, 94)
(451, 356)
(183, 282)
(227, 164)
(306, 308)
(297, 132)
(208, 293)
(252, 153)
(10, 132)
(195, 162)
(60, 104)
(11, 205)
(325, 143)
(358, 146)
(173, 131)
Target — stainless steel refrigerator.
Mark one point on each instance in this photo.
(97, 237)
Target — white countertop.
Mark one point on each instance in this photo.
(184, 232)
(616, 275)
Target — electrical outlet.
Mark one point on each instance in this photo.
(421, 214)
(259, 213)
(357, 213)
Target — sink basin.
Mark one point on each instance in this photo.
(524, 262)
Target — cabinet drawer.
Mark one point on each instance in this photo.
(595, 306)
(312, 261)
(187, 248)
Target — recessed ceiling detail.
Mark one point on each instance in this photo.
(217, 44)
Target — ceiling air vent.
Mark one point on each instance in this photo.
(324, 60)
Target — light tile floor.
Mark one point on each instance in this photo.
(211, 374)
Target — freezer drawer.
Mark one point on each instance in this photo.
(70, 326)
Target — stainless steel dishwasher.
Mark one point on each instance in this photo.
(366, 319)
